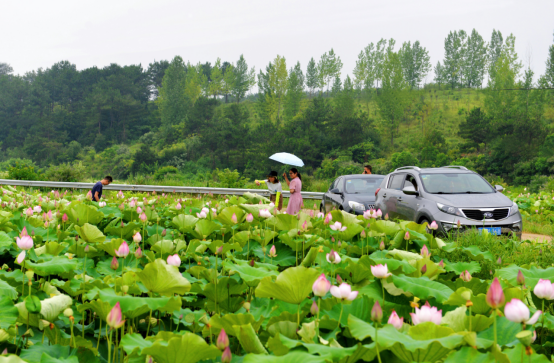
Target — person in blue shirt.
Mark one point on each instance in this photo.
(97, 188)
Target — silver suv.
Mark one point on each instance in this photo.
(448, 195)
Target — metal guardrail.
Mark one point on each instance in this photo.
(151, 188)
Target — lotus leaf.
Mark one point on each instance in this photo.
(189, 348)
(90, 233)
(292, 285)
(422, 287)
(164, 279)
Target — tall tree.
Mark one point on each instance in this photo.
(549, 74)
(244, 79)
(295, 92)
(277, 82)
(475, 60)
(439, 74)
(172, 101)
(380, 54)
(453, 56)
(195, 82)
(392, 99)
(156, 73)
(216, 79)
(5, 68)
(312, 76)
(415, 63)
(329, 67)
(495, 49)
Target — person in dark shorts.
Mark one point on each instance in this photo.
(97, 188)
(275, 189)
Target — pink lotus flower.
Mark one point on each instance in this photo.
(137, 237)
(24, 243)
(21, 257)
(114, 265)
(518, 312)
(425, 314)
(234, 218)
(138, 253)
(495, 295)
(380, 271)
(24, 232)
(333, 257)
(424, 251)
(314, 309)
(387, 217)
(222, 340)
(328, 218)
(396, 321)
(226, 357)
(29, 212)
(120, 195)
(249, 218)
(304, 226)
(265, 213)
(465, 276)
(363, 234)
(320, 215)
(321, 286)
(544, 289)
(311, 213)
(174, 260)
(143, 217)
(89, 195)
(382, 245)
(344, 292)
(379, 213)
(114, 318)
(64, 218)
(433, 226)
(520, 278)
(272, 252)
(123, 250)
(139, 210)
(37, 209)
(102, 204)
(370, 213)
(407, 236)
(178, 206)
(202, 215)
(132, 203)
(337, 226)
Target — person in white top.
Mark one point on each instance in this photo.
(275, 189)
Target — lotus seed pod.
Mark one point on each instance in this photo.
(246, 305)
(30, 274)
(125, 288)
(68, 312)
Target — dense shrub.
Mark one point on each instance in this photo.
(161, 173)
(67, 172)
(23, 172)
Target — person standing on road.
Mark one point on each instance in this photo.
(275, 189)
(295, 186)
(367, 169)
(97, 188)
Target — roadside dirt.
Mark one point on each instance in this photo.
(536, 237)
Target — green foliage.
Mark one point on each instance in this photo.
(230, 179)
(164, 171)
(23, 172)
(67, 172)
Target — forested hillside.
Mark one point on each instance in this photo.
(479, 106)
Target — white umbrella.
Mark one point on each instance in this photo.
(288, 159)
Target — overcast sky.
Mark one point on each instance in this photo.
(97, 33)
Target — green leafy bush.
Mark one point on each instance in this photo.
(231, 179)
(67, 172)
(162, 172)
(23, 172)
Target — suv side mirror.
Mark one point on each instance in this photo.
(410, 190)
(499, 188)
(335, 191)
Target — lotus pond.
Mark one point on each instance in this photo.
(145, 277)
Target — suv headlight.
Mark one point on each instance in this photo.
(356, 205)
(514, 209)
(450, 210)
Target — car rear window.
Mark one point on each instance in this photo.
(362, 185)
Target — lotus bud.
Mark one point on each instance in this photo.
(395, 320)
(87, 249)
(219, 250)
(272, 252)
(114, 265)
(252, 263)
(114, 318)
(138, 253)
(249, 218)
(465, 276)
(121, 206)
(125, 289)
(499, 261)
(222, 340)
(520, 278)
(495, 295)
(77, 238)
(458, 224)
(314, 309)
(328, 218)
(424, 269)
(137, 237)
(433, 226)
(425, 251)
(226, 357)
(5, 351)
(441, 264)
(234, 218)
(21, 257)
(143, 217)
(339, 279)
(321, 286)
(407, 236)
(363, 235)
(64, 218)
(387, 217)
(123, 250)
(68, 312)
(376, 313)
(382, 245)
(139, 210)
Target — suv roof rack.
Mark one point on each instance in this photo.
(456, 166)
(408, 167)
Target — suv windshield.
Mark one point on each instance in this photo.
(362, 185)
(453, 183)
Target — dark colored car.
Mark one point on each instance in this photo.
(352, 193)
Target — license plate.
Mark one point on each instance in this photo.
(497, 231)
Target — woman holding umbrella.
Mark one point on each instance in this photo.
(295, 186)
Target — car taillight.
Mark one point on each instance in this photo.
(377, 191)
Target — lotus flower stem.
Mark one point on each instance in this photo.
(149, 322)
(248, 252)
(298, 316)
(110, 346)
(317, 321)
(340, 316)
(99, 334)
(84, 322)
(495, 339)
(470, 318)
(383, 290)
(215, 282)
(377, 345)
